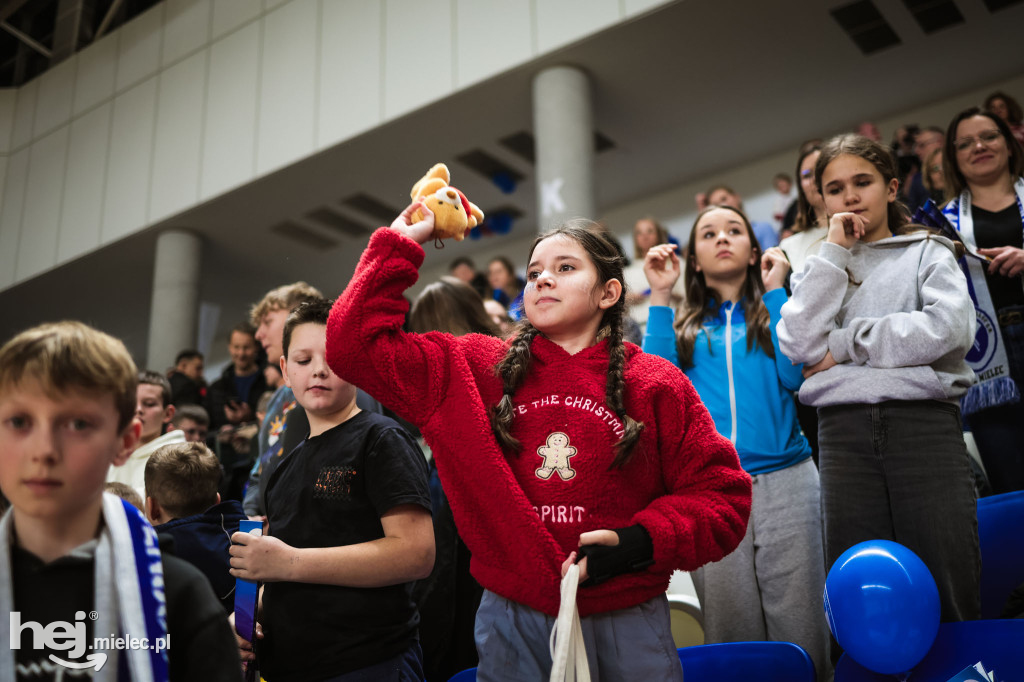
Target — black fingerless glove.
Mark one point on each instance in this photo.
(634, 552)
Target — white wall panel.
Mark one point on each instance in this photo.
(82, 211)
(179, 125)
(10, 214)
(186, 28)
(53, 105)
(230, 14)
(288, 86)
(139, 49)
(97, 70)
(129, 162)
(418, 57)
(8, 98)
(37, 248)
(350, 70)
(638, 6)
(24, 114)
(229, 153)
(560, 22)
(482, 51)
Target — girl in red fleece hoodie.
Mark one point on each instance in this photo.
(561, 443)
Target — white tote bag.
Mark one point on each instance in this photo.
(568, 653)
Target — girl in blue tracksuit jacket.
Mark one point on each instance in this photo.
(770, 587)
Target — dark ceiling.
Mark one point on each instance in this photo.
(59, 27)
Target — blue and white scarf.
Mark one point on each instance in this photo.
(988, 356)
(128, 596)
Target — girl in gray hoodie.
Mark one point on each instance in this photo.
(881, 319)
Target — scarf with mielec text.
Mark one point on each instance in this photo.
(988, 355)
(128, 598)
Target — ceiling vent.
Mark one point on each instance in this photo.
(334, 220)
(996, 5)
(522, 144)
(934, 15)
(303, 235)
(488, 166)
(375, 208)
(865, 26)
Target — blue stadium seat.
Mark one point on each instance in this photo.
(1001, 535)
(744, 661)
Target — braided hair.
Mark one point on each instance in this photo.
(513, 367)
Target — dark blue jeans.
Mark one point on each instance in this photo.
(898, 471)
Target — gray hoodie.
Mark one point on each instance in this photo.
(900, 334)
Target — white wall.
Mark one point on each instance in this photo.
(675, 208)
(196, 97)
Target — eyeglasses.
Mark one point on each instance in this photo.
(934, 169)
(808, 173)
(986, 138)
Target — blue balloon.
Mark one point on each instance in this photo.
(882, 606)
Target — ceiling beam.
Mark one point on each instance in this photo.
(10, 7)
(67, 29)
(27, 39)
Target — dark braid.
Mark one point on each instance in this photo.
(616, 386)
(608, 259)
(512, 370)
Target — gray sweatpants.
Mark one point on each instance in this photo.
(622, 646)
(770, 587)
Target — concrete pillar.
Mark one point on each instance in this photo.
(174, 308)
(564, 144)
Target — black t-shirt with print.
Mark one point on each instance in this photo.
(328, 492)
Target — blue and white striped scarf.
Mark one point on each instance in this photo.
(988, 356)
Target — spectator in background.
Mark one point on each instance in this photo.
(647, 232)
(723, 195)
(272, 373)
(126, 493)
(234, 395)
(193, 421)
(499, 316)
(810, 224)
(182, 501)
(507, 286)
(451, 305)
(934, 177)
(926, 141)
(783, 199)
(153, 409)
(463, 268)
(1008, 109)
(903, 151)
(984, 164)
(870, 131)
(789, 221)
(187, 383)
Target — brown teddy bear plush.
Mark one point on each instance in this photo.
(454, 214)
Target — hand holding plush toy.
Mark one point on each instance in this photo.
(454, 214)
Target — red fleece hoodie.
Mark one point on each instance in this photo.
(521, 516)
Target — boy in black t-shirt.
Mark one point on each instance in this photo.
(349, 531)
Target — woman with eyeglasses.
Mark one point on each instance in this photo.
(934, 177)
(983, 166)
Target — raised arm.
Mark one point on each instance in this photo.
(944, 324)
(704, 514)
(365, 341)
